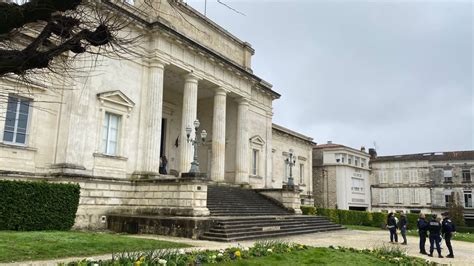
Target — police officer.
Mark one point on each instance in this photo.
(403, 227)
(422, 225)
(448, 228)
(434, 227)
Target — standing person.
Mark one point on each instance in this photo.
(392, 227)
(447, 229)
(435, 235)
(163, 165)
(403, 227)
(422, 232)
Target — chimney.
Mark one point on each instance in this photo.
(329, 141)
(362, 149)
(372, 153)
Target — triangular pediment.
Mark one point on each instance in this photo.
(257, 140)
(116, 97)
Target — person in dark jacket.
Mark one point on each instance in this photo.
(434, 227)
(403, 227)
(447, 229)
(392, 227)
(422, 225)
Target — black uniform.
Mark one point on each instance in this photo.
(447, 229)
(434, 227)
(403, 228)
(422, 232)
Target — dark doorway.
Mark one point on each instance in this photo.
(163, 137)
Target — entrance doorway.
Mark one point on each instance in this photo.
(163, 137)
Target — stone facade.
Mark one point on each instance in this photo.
(425, 182)
(341, 177)
(285, 140)
(109, 129)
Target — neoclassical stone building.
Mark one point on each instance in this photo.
(109, 130)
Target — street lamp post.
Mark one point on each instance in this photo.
(195, 142)
(291, 161)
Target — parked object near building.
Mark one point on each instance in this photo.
(423, 182)
(341, 177)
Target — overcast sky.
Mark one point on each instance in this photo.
(397, 73)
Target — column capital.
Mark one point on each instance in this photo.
(220, 91)
(191, 77)
(243, 101)
(155, 62)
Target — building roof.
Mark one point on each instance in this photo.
(292, 133)
(429, 156)
(331, 145)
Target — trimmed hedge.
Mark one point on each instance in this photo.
(375, 219)
(308, 210)
(27, 206)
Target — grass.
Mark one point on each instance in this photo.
(467, 237)
(314, 256)
(40, 245)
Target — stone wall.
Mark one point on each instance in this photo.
(103, 197)
(290, 199)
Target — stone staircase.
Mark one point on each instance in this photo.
(242, 214)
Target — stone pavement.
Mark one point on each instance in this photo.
(464, 251)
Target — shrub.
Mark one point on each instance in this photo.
(308, 210)
(378, 219)
(26, 206)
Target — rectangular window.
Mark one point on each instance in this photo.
(349, 160)
(413, 174)
(415, 196)
(468, 199)
(254, 162)
(16, 120)
(357, 185)
(343, 158)
(301, 173)
(447, 200)
(398, 196)
(356, 161)
(110, 134)
(448, 175)
(397, 177)
(466, 175)
(382, 177)
(362, 163)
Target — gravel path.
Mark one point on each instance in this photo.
(464, 251)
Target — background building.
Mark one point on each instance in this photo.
(341, 177)
(425, 182)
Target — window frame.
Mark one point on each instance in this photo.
(18, 99)
(105, 149)
(464, 173)
(255, 162)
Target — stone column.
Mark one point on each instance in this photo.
(242, 143)
(187, 120)
(218, 136)
(154, 108)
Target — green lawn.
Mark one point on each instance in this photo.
(39, 245)
(314, 256)
(459, 236)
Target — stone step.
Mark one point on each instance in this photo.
(258, 231)
(236, 228)
(271, 234)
